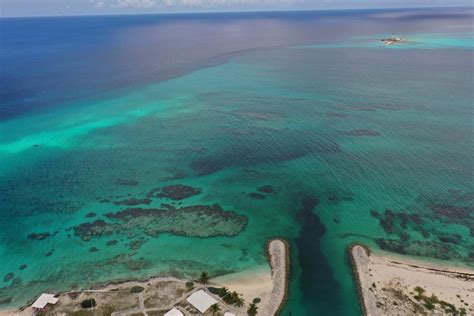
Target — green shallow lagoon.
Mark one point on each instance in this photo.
(368, 145)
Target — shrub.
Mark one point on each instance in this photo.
(252, 310)
(220, 291)
(429, 305)
(257, 300)
(89, 303)
(189, 284)
(204, 278)
(420, 290)
(137, 289)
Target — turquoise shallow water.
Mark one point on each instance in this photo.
(356, 144)
(412, 41)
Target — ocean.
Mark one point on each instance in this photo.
(136, 146)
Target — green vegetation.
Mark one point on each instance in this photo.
(429, 302)
(204, 278)
(257, 300)
(137, 289)
(190, 285)
(215, 309)
(419, 290)
(239, 302)
(220, 291)
(88, 303)
(252, 310)
(231, 298)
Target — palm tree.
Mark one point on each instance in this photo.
(234, 295)
(224, 291)
(215, 309)
(252, 311)
(204, 278)
(239, 302)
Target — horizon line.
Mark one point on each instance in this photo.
(236, 11)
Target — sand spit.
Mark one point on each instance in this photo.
(395, 286)
(279, 255)
(157, 295)
(270, 286)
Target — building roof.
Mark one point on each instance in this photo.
(201, 301)
(174, 312)
(44, 300)
(229, 314)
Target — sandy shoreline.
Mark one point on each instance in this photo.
(267, 282)
(270, 285)
(397, 285)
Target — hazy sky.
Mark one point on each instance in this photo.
(79, 7)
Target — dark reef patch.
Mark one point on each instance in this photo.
(93, 249)
(362, 132)
(175, 192)
(111, 243)
(451, 211)
(140, 264)
(9, 276)
(266, 189)
(5, 300)
(97, 228)
(38, 236)
(420, 248)
(397, 223)
(91, 214)
(195, 220)
(136, 244)
(133, 202)
(450, 238)
(283, 145)
(23, 267)
(430, 217)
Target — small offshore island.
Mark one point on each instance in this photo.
(261, 291)
(393, 40)
(403, 286)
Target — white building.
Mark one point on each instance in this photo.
(44, 300)
(201, 301)
(174, 312)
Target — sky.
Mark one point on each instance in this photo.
(97, 7)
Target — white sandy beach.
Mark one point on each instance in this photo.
(387, 284)
(270, 285)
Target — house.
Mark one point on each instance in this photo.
(174, 312)
(44, 300)
(201, 301)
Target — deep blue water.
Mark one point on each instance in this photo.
(48, 61)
